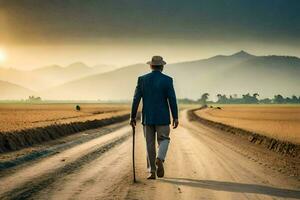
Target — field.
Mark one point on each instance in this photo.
(280, 122)
(14, 117)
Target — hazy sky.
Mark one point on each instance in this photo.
(121, 32)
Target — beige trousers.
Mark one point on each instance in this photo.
(162, 133)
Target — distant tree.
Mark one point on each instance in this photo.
(186, 101)
(265, 101)
(254, 99)
(219, 97)
(294, 99)
(278, 99)
(288, 100)
(222, 99)
(233, 99)
(78, 108)
(34, 99)
(248, 99)
(255, 95)
(204, 98)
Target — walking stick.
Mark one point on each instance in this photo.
(133, 150)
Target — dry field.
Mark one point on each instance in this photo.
(23, 116)
(281, 122)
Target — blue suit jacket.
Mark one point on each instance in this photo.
(157, 92)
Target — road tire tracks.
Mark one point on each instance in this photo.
(27, 190)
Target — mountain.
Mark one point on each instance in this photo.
(25, 79)
(104, 68)
(72, 71)
(242, 55)
(11, 91)
(50, 76)
(56, 75)
(105, 86)
(234, 74)
(49, 69)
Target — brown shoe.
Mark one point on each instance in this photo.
(160, 168)
(152, 176)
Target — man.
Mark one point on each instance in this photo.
(157, 92)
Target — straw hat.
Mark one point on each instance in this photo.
(156, 60)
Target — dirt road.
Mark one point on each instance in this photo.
(201, 164)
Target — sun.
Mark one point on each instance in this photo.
(2, 56)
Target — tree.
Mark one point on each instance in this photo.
(219, 97)
(278, 99)
(204, 98)
(255, 95)
(222, 98)
(294, 99)
(266, 101)
(247, 98)
(254, 99)
(34, 99)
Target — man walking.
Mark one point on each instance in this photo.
(157, 92)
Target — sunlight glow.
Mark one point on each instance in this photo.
(2, 56)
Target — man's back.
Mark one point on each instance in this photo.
(157, 92)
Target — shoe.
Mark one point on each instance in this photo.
(160, 168)
(152, 176)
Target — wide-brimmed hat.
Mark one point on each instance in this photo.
(156, 60)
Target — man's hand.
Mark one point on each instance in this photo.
(175, 123)
(132, 122)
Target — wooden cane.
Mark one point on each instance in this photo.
(133, 151)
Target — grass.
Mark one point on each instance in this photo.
(278, 121)
(14, 117)
(255, 105)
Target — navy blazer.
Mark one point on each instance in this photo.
(157, 91)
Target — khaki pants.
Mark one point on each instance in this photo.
(163, 140)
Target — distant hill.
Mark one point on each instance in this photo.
(50, 76)
(237, 74)
(58, 75)
(234, 74)
(116, 84)
(48, 69)
(25, 79)
(11, 91)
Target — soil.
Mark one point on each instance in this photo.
(202, 163)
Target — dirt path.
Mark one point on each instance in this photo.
(200, 165)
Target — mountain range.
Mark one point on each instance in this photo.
(12, 91)
(50, 76)
(233, 74)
